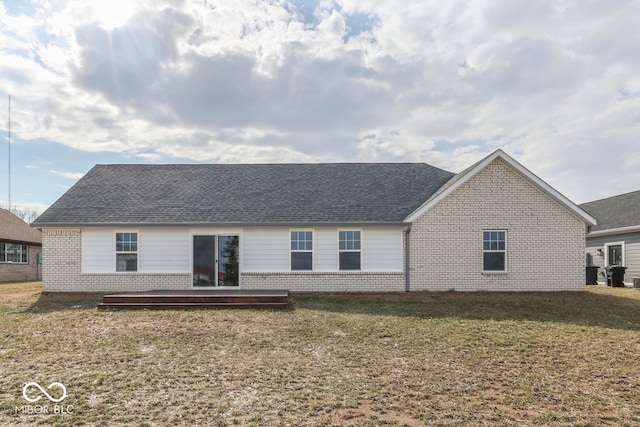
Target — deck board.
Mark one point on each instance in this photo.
(197, 299)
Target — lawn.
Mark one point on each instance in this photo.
(412, 359)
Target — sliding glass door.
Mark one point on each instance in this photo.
(215, 261)
(228, 261)
(204, 261)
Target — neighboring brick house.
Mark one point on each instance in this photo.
(616, 238)
(314, 227)
(20, 249)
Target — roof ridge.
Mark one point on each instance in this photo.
(266, 164)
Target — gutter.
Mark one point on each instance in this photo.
(407, 257)
(613, 231)
(22, 242)
(217, 224)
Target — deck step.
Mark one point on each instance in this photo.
(189, 306)
(197, 299)
(115, 299)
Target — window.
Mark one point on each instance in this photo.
(126, 251)
(14, 253)
(494, 251)
(615, 253)
(302, 250)
(349, 246)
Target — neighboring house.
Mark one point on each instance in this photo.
(616, 238)
(20, 249)
(314, 227)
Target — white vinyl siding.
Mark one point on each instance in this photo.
(632, 256)
(98, 251)
(263, 249)
(382, 249)
(326, 254)
(163, 251)
(267, 249)
(159, 251)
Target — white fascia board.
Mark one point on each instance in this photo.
(531, 177)
(614, 231)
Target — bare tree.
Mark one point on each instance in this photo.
(26, 214)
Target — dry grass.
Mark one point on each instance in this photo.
(363, 360)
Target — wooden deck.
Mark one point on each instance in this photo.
(197, 299)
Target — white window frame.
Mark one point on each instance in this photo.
(117, 252)
(313, 245)
(505, 251)
(25, 246)
(344, 230)
(606, 252)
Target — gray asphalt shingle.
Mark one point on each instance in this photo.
(13, 229)
(615, 212)
(260, 193)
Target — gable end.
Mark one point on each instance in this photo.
(464, 176)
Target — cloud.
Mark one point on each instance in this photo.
(71, 175)
(555, 84)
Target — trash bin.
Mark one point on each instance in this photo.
(592, 274)
(617, 276)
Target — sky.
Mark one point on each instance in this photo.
(555, 84)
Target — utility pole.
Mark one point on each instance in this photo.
(9, 152)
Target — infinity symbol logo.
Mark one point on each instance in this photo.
(29, 384)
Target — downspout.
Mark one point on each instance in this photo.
(407, 258)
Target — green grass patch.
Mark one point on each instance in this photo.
(332, 359)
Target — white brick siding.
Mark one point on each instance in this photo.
(545, 243)
(61, 260)
(325, 282)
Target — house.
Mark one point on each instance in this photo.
(314, 227)
(616, 238)
(20, 249)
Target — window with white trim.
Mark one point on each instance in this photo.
(349, 250)
(301, 250)
(127, 251)
(494, 251)
(14, 253)
(614, 253)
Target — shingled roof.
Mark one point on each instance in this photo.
(15, 230)
(615, 212)
(246, 194)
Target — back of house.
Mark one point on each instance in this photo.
(314, 227)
